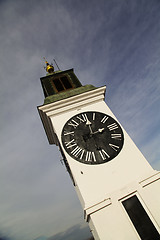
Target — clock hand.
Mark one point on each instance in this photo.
(89, 125)
(100, 130)
(90, 129)
(88, 122)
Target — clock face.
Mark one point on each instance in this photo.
(92, 137)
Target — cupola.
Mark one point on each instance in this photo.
(59, 84)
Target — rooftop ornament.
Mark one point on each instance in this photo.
(49, 67)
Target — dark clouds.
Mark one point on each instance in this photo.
(74, 232)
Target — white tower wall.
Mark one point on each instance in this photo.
(102, 188)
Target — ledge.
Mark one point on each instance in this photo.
(150, 180)
(96, 207)
(67, 94)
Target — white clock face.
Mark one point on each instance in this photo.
(92, 137)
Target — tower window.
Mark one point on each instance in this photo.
(58, 85)
(66, 82)
(61, 84)
(140, 219)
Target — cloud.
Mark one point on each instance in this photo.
(113, 43)
(77, 231)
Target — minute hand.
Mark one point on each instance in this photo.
(89, 125)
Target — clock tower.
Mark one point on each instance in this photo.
(118, 189)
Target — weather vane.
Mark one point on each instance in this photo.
(49, 67)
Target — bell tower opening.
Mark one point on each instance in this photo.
(62, 84)
(56, 82)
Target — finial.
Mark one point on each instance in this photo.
(49, 67)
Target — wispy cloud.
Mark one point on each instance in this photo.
(113, 43)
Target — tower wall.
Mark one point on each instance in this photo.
(103, 188)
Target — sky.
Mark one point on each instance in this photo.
(108, 42)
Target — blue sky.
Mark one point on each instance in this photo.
(108, 42)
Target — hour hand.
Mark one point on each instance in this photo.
(100, 130)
